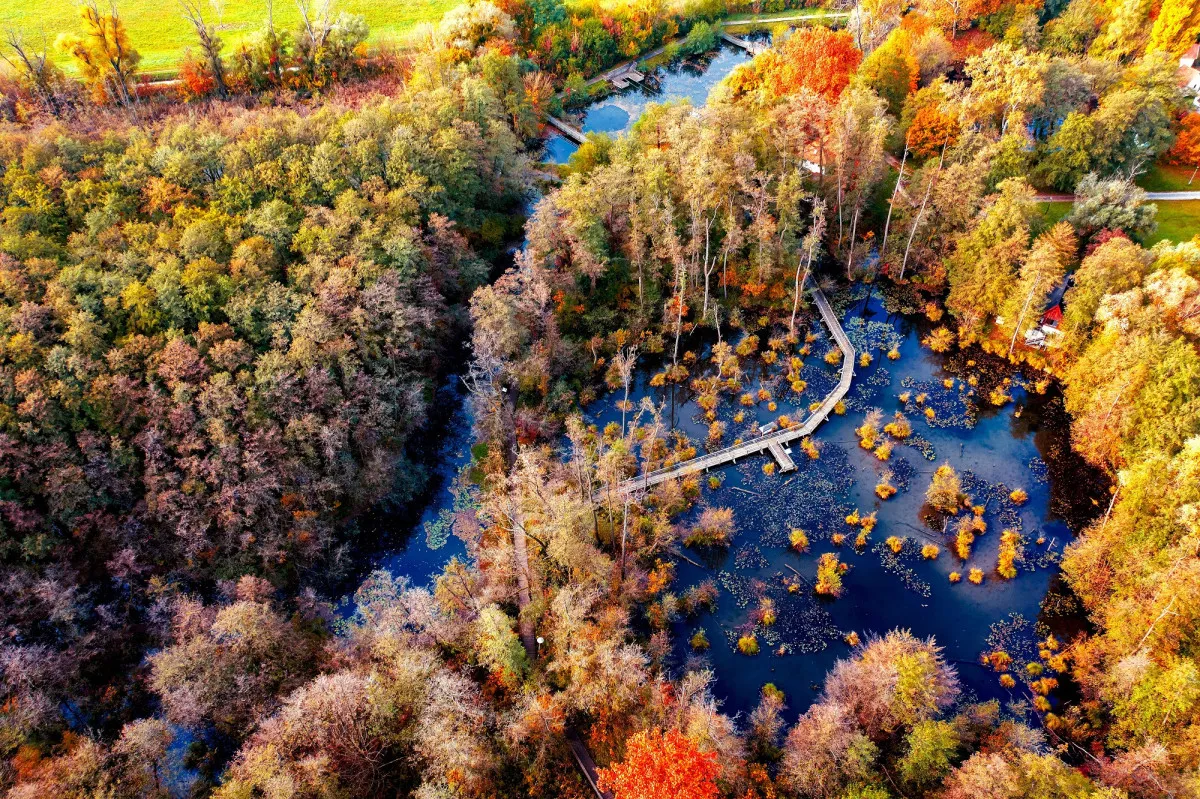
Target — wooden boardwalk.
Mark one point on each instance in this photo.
(753, 48)
(574, 134)
(587, 766)
(773, 441)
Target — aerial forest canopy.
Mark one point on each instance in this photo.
(227, 303)
(218, 335)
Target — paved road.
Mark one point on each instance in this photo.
(1157, 196)
(788, 18)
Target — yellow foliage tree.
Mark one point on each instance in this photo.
(106, 58)
(1175, 28)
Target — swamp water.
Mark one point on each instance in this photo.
(1021, 444)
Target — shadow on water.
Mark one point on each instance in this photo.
(1021, 444)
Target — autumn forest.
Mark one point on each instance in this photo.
(632, 399)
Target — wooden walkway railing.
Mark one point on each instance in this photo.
(753, 48)
(574, 134)
(772, 442)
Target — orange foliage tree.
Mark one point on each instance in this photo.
(1186, 151)
(662, 766)
(815, 58)
(930, 129)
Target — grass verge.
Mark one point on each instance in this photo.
(159, 32)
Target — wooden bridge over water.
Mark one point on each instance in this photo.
(750, 46)
(626, 73)
(773, 439)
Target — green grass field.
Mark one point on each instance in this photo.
(1162, 177)
(1177, 220)
(160, 33)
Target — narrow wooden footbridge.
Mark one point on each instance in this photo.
(772, 439)
(751, 47)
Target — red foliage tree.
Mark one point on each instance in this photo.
(662, 766)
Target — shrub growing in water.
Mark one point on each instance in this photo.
(1010, 540)
(944, 489)
(829, 575)
(714, 528)
(798, 539)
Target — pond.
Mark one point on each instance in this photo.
(691, 78)
(1021, 444)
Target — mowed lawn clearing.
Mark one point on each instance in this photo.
(1178, 220)
(1166, 177)
(160, 33)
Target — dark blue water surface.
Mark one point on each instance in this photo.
(432, 542)
(690, 79)
(994, 450)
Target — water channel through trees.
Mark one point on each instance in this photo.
(1022, 443)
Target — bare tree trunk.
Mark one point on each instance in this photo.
(800, 281)
(841, 231)
(681, 284)
(624, 536)
(707, 269)
(209, 43)
(850, 256)
(892, 203)
(917, 221)
(1017, 327)
(521, 558)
